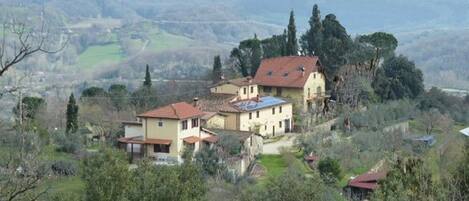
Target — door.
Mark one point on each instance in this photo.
(287, 125)
(273, 130)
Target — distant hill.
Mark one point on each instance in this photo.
(431, 32)
(441, 54)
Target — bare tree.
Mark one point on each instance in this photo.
(21, 171)
(433, 119)
(20, 41)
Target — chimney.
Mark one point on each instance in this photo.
(258, 98)
(249, 79)
(302, 68)
(196, 102)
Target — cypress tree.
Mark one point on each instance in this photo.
(72, 115)
(311, 41)
(217, 72)
(256, 55)
(292, 43)
(147, 82)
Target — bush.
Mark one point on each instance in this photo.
(68, 143)
(329, 170)
(64, 168)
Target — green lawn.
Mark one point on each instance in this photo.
(275, 165)
(100, 55)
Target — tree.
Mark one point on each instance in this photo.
(217, 69)
(145, 97)
(147, 81)
(311, 41)
(247, 57)
(209, 160)
(72, 115)
(291, 185)
(106, 175)
(118, 94)
(23, 172)
(274, 46)
(93, 95)
(31, 107)
(434, 119)
(329, 170)
(409, 179)
(460, 177)
(160, 183)
(21, 41)
(402, 78)
(384, 45)
(292, 43)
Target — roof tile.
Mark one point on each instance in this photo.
(286, 71)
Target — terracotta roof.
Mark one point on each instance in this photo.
(131, 122)
(180, 110)
(139, 140)
(217, 103)
(286, 71)
(367, 180)
(311, 158)
(191, 139)
(242, 135)
(211, 139)
(240, 82)
(208, 115)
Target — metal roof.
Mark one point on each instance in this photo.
(465, 131)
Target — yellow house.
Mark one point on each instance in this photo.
(244, 88)
(167, 131)
(267, 116)
(299, 78)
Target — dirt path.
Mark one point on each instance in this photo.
(274, 148)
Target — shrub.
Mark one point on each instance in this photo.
(65, 168)
(69, 143)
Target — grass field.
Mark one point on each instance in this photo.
(100, 55)
(161, 41)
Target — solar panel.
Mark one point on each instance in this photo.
(264, 102)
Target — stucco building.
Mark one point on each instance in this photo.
(301, 79)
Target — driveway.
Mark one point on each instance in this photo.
(287, 141)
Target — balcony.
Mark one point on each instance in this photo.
(317, 96)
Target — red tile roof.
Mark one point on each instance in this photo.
(139, 140)
(180, 110)
(286, 71)
(367, 180)
(240, 82)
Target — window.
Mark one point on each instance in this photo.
(257, 114)
(309, 93)
(318, 91)
(280, 124)
(216, 89)
(265, 127)
(279, 91)
(184, 125)
(314, 75)
(244, 90)
(267, 89)
(280, 109)
(273, 110)
(195, 123)
(250, 141)
(161, 148)
(160, 123)
(190, 146)
(252, 89)
(250, 115)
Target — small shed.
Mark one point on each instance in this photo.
(361, 187)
